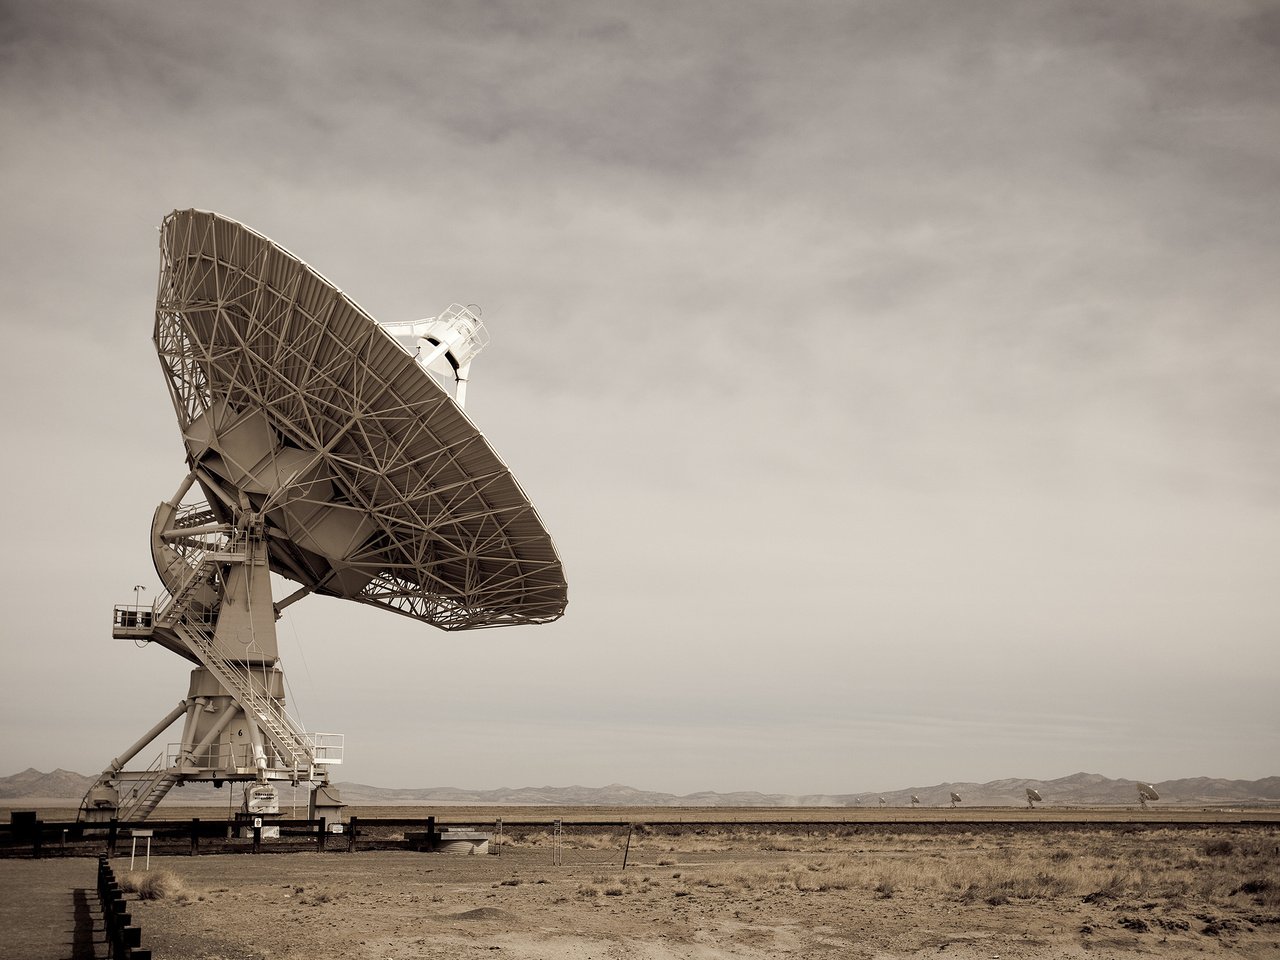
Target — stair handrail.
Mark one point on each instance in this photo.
(233, 549)
(287, 734)
(157, 769)
(175, 608)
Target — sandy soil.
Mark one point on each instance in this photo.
(846, 892)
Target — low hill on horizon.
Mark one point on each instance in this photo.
(1078, 789)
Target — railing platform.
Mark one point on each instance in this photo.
(132, 623)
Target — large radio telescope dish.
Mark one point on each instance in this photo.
(1146, 792)
(375, 486)
(328, 454)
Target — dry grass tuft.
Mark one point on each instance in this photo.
(155, 885)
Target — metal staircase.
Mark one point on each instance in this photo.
(291, 742)
(148, 793)
(205, 572)
(196, 629)
(186, 618)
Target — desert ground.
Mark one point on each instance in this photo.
(701, 890)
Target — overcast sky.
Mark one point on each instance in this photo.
(899, 380)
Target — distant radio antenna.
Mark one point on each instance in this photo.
(915, 801)
(883, 801)
(1033, 797)
(1146, 792)
(955, 798)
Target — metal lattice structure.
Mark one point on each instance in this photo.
(327, 453)
(373, 484)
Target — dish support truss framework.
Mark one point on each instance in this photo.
(373, 484)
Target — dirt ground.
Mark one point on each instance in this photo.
(706, 893)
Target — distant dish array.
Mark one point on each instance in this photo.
(1146, 793)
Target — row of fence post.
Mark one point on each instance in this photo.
(35, 832)
(124, 938)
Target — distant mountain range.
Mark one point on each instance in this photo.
(1079, 789)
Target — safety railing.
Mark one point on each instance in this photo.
(132, 617)
(328, 747)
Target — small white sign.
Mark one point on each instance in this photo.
(257, 821)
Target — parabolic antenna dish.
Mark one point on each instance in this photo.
(327, 453)
(373, 484)
(1147, 792)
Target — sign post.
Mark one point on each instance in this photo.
(146, 834)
